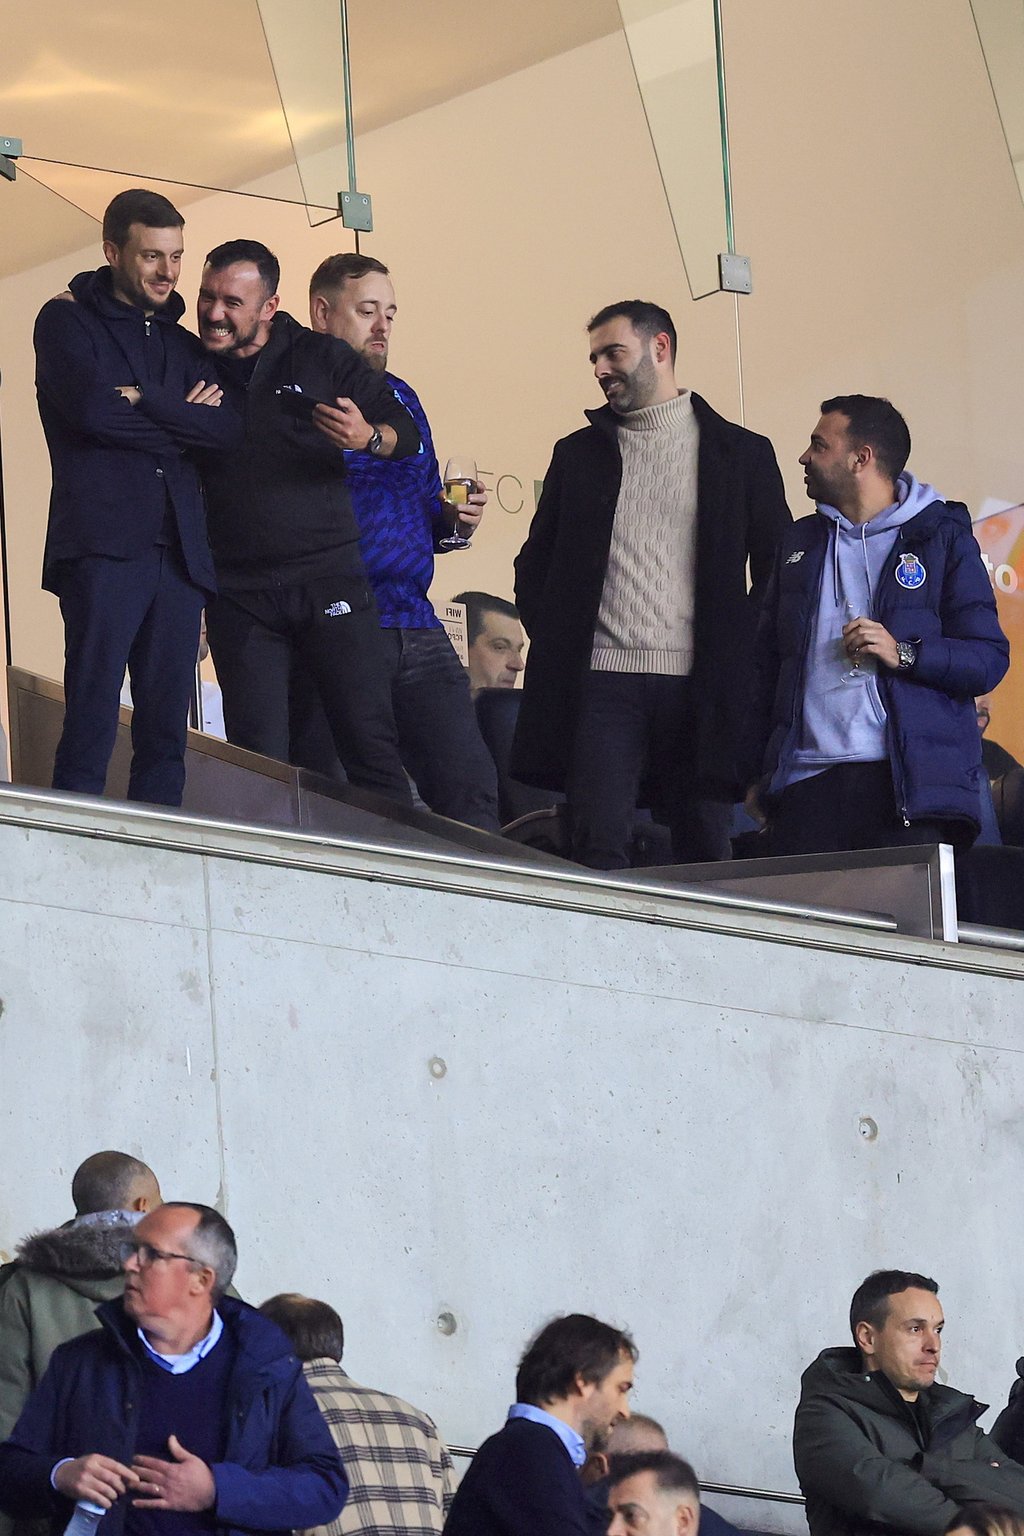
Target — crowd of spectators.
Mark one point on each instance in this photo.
(144, 1395)
(690, 646)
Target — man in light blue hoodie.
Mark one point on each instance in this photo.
(878, 627)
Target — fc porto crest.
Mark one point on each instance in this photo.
(910, 573)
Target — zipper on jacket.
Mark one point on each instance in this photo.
(895, 763)
(146, 322)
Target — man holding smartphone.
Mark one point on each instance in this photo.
(293, 587)
(403, 521)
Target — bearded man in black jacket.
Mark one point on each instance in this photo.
(632, 587)
(285, 540)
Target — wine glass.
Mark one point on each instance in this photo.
(459, 481)
(854, 673)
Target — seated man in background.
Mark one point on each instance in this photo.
(51, 1291)
(572, 1385)
(655, 1492)
(495, 640)
(637, 1433)
(399, 1471)
(878, 1444)
(183, 1403)
(1006, 778)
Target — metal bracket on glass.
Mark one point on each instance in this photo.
(356, 210)
(734, 274)
(10, 149)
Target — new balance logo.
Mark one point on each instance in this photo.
(336, 610)
(797, 554)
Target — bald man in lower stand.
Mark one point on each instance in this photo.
(50, 1293)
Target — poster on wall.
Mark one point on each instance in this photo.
(1000, 533)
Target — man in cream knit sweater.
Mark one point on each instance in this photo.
(632, 586)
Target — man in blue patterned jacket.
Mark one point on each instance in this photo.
(402, 517)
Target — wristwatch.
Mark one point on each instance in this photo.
(376, 439)
(906, 650)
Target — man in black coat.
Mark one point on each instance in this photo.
(632, 586)
(572, 1385)
(127, 400)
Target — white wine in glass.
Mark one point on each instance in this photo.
(459, 482)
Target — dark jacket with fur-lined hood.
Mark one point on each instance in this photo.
(49, 1295)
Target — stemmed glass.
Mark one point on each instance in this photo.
(854, 673)
(459, 481)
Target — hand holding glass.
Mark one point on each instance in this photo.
(853, 673)
(459, 482)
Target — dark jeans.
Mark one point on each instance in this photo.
(638, 728)
(851, 806)
(143, 614)
(330, 626)
(438, 736)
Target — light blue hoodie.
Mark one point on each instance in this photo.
(845, 722)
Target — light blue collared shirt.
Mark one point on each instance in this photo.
(565, 1432)
(177, 1365)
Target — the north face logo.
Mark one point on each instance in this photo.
(335, 610)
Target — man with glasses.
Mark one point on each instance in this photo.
(185, 1410)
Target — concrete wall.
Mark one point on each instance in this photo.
(647, 1110)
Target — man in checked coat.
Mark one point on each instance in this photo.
(400, 1474)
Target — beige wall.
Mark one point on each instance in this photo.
(873, 192)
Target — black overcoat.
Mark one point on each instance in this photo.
(741, 515)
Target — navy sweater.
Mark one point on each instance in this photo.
(522, 1482)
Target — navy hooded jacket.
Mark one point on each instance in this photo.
(932, 733)
(281, 1469)
(117, 467)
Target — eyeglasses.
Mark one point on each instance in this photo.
(147, 1254)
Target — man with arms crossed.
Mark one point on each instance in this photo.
(285, 541)
(185, 1412)
(878, 1444)
(572, 1385)
(125, 397)
(402, 517)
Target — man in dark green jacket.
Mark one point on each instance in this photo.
(51, 1291)
(878, 1446)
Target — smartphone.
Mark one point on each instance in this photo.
(297, 403)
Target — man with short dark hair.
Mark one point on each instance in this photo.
(572, 1385)
(185, 1405)
(879, 1445)
(403, 521)
(878, 629)
(399, 1471)
(125, 397)
(51, 1291)
(495, 640)
(653, 1492)
(293, 588)
(632, 587)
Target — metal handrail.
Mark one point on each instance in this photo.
(767, 1495)
(463, 861)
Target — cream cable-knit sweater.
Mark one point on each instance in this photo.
(645, 621)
